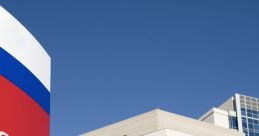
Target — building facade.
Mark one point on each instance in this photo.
(24, 81)
(240, 112)
(238, 116)
(162, 123)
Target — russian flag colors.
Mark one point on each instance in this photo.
(24, 81)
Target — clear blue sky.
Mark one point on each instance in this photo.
(115, 59)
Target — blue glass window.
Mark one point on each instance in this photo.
(251, 133)
(250, 126)
(243, 113)
(246, 132)
(249, 114)
(233, 122)
(244, 125)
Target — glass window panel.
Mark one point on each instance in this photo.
(251, 133)
(250, 126)
(234, 124)
(249, 114)
(243, 113)
(244, 125)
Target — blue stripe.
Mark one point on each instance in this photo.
(18, 74)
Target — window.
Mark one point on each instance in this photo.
(250, 115)
(233, 122)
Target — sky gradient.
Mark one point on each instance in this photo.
(115, 59)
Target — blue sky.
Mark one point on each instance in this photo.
(115, 59)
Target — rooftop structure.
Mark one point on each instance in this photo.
(162, 123)
(239, 112)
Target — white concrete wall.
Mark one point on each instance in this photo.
(221, 118)
(167, 132)
(136, 126)
(208, 117)
(150, 124)
(227, 105)
(216, 117)
(190, 126)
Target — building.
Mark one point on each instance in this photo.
(24, 81)
(237, 115)
(239, 112)
(162, 123)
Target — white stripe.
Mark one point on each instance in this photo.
(16, 40)
(3, 133)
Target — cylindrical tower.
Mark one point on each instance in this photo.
(24, 81)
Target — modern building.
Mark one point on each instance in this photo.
(162, 123)
(238, 116)
(24, 81)
(239, 112)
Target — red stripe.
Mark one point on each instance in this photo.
(20, 115)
